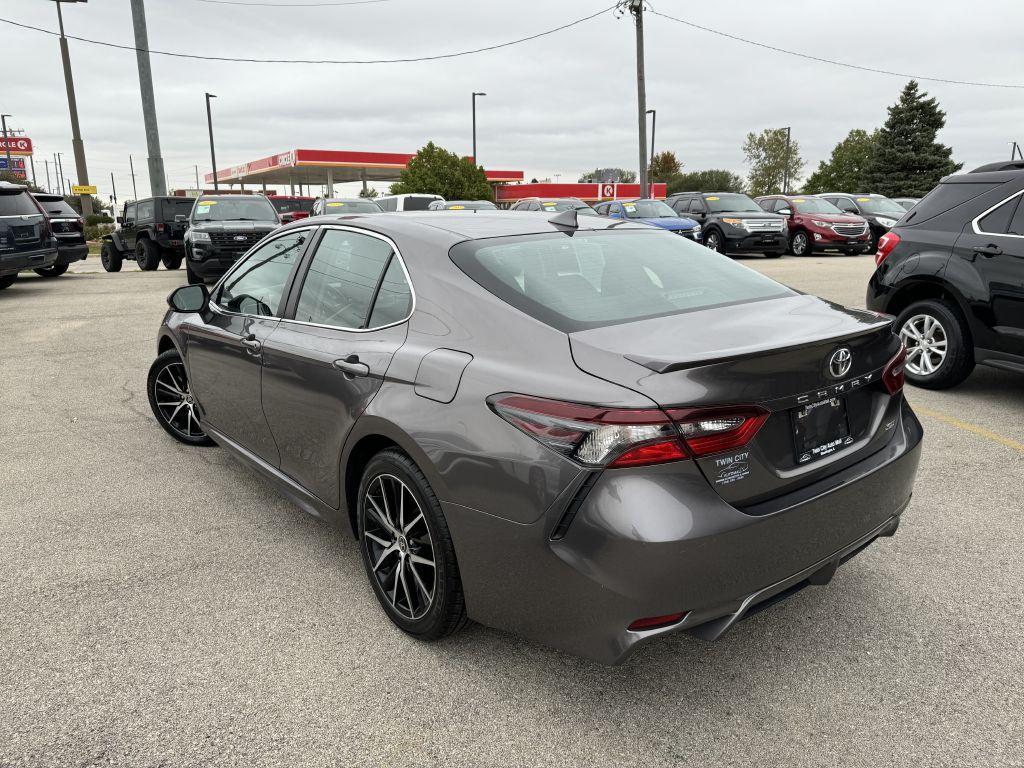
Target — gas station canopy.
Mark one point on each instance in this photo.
(328, 166)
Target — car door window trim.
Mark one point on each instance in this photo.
(975, 223)
(395, 253)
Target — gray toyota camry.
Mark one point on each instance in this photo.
(586, 431)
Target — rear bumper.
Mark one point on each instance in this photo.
(71, 252)
(658, 541)
(12, 263)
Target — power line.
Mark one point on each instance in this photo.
(830, 61)
(435, 57)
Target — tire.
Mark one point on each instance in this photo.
(713, 239)
(110, 257)
(53, 271)
(948, 358)
(391, 545)
(147, 253)
(171, 260)
(800, 244)
(8, 280)
(173, 405)
(191, 276)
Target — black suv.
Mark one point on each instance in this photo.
(733, 223)
(952, 270)
(151, 231)
(220, 229)
(26, 240)
(881, 212)
(69, 229)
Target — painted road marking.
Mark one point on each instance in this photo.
(973, 428)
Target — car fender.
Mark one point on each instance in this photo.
(115, 239)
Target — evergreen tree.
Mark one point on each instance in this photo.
(845, 168)
(908, 161)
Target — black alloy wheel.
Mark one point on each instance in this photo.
(110, 258)
(170, 397)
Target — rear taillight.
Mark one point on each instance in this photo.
(160, 227)
(629, 437)
(895, 373)
(886, 243)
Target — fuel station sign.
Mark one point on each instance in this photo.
(16, 145)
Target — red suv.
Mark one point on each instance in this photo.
(817, 225)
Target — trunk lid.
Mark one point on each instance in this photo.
(775, 354)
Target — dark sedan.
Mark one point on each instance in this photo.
(584, 430)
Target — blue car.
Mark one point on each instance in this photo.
(653, 212)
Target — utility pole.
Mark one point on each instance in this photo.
(114, 188)
(7, 148)
(654, 124)
(60, 175)
(76, 134)
(32, 163)
(157, 182)
(47, 164)
(197, 179)
(636, 7)
(785, 169)
(135, 192)
(475, 94)
(213, 156)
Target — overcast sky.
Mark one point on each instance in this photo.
(562, 104)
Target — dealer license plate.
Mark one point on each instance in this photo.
(820, 429)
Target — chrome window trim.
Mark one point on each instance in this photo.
(975, 221)
(405, 271)
(217, 286)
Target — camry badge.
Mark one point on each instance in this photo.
(840, 362)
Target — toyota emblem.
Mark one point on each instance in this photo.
(840, 362)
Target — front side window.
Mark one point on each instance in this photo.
(595, 279)
(256, 285)
(342, 279)
(129, 213)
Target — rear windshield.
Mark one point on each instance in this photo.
(944, 198)
(234, 209)
(58, 207)
(174, 208)
(417, 203)
(291, 205)
(814, 205)
(595, 279)
(731, 204)
(17, 204)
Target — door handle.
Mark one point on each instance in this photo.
(252, 345)
(351, 366)
(988, 251)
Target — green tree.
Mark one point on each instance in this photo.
(664, 166)
(907, 160)
(767, 157)
(713, 180)
(846, 166)
(436, 171)
(369, 193)
(13, 178)
(609, 175)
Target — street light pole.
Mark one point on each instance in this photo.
(475, 94)
(157, 177)
(785, 169)
(76, 134)
(209, 124)
(7, 147)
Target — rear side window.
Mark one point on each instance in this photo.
(946, 197)
(998, 221)
(394, 298)
(342, 279)
(17, 204)
(595, 279)
(146, 211)
(1017, 223)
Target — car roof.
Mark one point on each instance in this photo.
(9, 187)
(469, 226)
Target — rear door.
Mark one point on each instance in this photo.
(225, 350)
(993, 243)
(328, 357)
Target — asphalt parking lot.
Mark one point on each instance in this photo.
(163, 606)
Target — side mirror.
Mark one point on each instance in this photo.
(785, 211)
(181, 217)
(189, 298)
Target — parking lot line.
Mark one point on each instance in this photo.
(973, 428)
